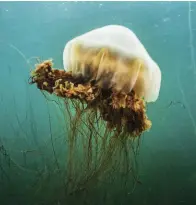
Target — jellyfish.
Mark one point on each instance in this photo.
(108, 78)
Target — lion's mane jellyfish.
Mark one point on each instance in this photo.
(107, 79)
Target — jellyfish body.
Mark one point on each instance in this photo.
(115, 58)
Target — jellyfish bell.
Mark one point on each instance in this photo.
(115, 58)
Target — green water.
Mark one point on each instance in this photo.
(32, 151)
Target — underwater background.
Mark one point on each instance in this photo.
(31, 149)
